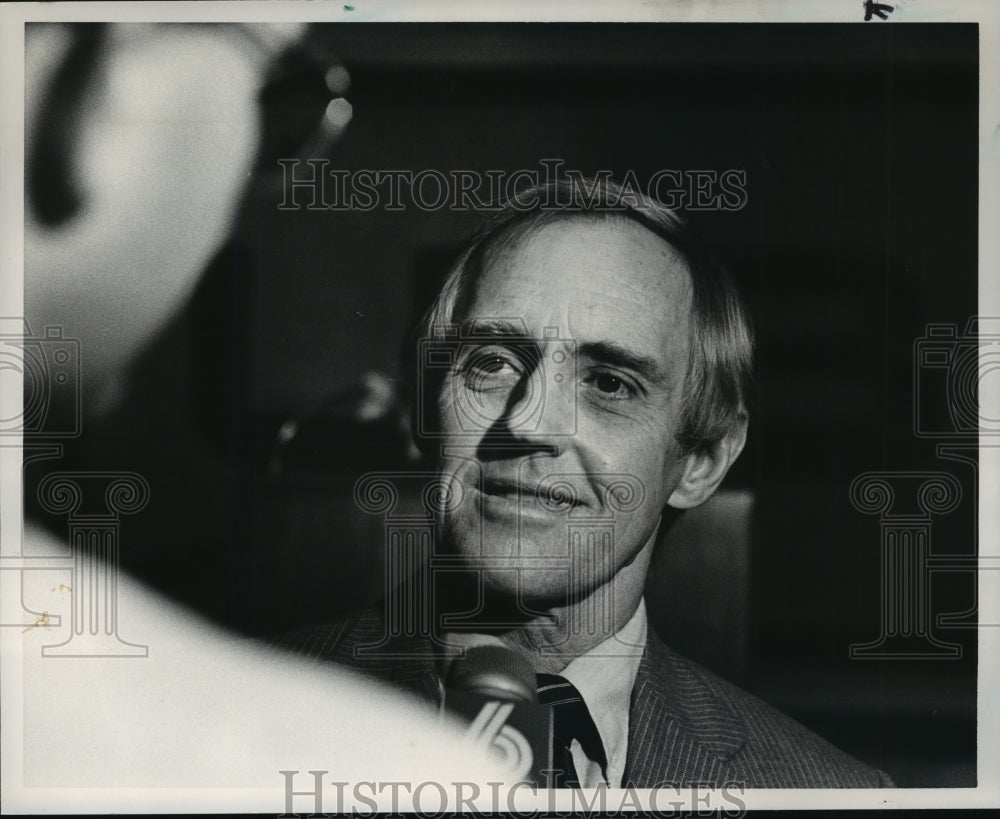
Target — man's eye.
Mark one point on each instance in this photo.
(491, 369)
(490, 364)
(611, 386)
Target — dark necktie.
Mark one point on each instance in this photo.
(570, 720)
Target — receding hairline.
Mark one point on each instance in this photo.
(501, 246)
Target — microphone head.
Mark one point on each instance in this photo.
(494, 671)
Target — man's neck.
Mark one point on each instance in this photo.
(563, 633)
(555, 636)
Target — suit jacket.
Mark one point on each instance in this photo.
(687, 726)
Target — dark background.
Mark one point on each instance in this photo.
(859, 144)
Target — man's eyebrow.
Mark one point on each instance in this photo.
(608, 352)
(492, 328)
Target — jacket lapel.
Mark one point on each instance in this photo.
(403, 661)
(681, 731)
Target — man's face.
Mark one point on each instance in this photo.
(563, 445)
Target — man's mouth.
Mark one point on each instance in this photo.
(556, 497)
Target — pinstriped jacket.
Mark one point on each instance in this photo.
(687, 726)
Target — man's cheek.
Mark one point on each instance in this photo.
(446, 410)
(632, 533)
(463, 416)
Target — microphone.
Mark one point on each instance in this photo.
(493, 689)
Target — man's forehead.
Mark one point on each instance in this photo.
(587, 248)
(596, 278)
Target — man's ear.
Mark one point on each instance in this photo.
(705, 468)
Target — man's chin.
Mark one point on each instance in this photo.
(537, 544)
(534, 569)
(532, 591)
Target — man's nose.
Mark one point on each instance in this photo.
(543, 407)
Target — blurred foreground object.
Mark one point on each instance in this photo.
(205, 709)
(140, 141)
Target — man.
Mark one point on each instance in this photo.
(581, 376)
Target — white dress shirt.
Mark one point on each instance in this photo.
(604, 676)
